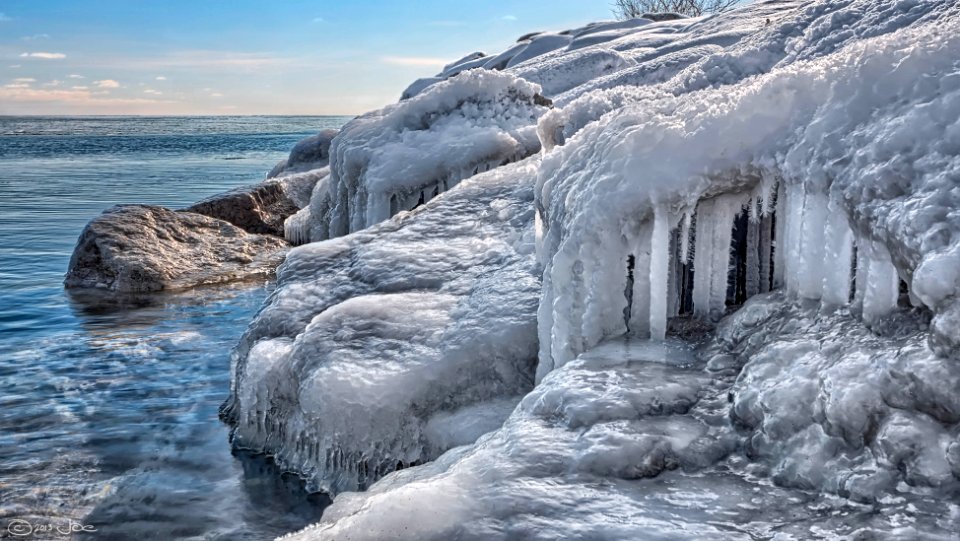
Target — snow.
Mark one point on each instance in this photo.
(497, 299)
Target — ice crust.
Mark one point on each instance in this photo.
(387, 347)
(517, 306)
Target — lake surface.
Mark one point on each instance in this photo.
(108, 411)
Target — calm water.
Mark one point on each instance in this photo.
(108, 411)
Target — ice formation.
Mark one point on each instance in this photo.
(385, 348)
(749, 246)
(402, 156)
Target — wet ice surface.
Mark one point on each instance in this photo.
(633, 440)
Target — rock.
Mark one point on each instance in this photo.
(142, 248)
(310, 153)
(665, 16)
(259, 209)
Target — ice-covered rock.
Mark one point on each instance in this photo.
(141, 248)
(384, 348)
(670, 151)
(308, 154)
(400, 157)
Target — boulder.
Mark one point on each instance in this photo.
(259, 209)
(143, 248)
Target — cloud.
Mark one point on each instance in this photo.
(80, 87)
(17, 85)
(216, 95)
(107, 83)
(160, 78)
(319, 20)
(35, 37)
(509, 18)
(80, 96)
(4, 18)
(414, 61)
(24, 80)
(45, 56)
(14, 66)
(54, 82)
(153, 92)
(75, 76)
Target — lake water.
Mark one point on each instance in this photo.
(108, 411)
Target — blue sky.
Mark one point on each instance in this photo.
(247, 57)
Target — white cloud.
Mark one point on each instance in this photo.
(14, 66)
(17, 85)
(24, 80)
(45, 56)
(414, 61)
(75, 76)
(161, 78)
(509, 17)
(318, 20)
(80, 87)
(77, 96)
(153, 92)
(54, 82)
(35, 37)
(216, 95)
(107, 83)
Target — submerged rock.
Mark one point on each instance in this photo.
(140, 248)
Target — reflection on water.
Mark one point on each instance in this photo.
(117, 425)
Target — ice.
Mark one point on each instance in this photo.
(809, 147)
(403, 155)
(382, 349)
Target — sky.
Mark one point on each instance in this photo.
(219, 57)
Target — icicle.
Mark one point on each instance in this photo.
(766, 251)
(779, 243)
(725, 210)
(640, 316)
(753, 257)
(685, 237)
(659, 271)
(703, 258)
(673, 280)
(882, 288)
(793, 226)
(863, 270)
(296, 228)
(839, 256)
(813, 261)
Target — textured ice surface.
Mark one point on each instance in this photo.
(385, 348)
(401, 156)
(866, 125)
(636, 440)
(821, 138)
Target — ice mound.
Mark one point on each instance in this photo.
(401, 156)
(387, 347)
(829, 405)
(861, 142)
(633, 441)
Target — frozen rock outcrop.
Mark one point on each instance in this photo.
(309, 154)
(400, 157)
(142, 248)
(384, 348)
